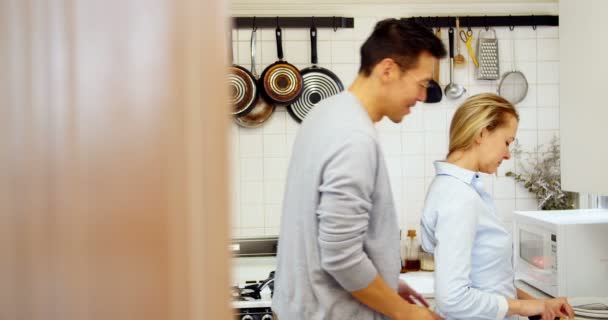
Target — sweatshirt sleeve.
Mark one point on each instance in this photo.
(455, 235)
(345, 202)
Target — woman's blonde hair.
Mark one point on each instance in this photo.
(485, 110)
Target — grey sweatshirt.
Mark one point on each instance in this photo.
(338, 226)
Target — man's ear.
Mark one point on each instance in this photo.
(385, 68)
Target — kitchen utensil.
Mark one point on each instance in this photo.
(262, 109)
(453, 90)
(319, 83)
(513, 86)
(281, 81)
(242, 87)
(434, 93)
(467, 37)
(458, 58)
(487, 55)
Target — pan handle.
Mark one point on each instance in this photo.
(279, 34)
(253, 71)
(313, 45)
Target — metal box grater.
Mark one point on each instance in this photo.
(487, 55)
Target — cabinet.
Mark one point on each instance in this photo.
(583, 95)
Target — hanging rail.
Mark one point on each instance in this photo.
(489, 21)
(293, 22)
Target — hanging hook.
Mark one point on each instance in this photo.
(469, 24)
(485, 22)
(511, 27)
(312, 22)
(533, 23)
(277, 21)
(335, 25)
(254, 26)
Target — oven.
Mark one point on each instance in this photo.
(253, 264)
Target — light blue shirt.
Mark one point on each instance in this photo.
(473, 251)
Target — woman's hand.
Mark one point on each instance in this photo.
(548, 309)
(410, 295)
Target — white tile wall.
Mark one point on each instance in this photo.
(261, 155)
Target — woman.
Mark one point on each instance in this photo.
(474, 277)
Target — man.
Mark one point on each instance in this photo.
(338, 252)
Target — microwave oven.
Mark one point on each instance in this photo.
(562, 252)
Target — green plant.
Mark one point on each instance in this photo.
(541, 176)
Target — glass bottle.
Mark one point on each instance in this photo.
(412, 258)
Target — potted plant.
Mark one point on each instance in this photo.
(541, 176)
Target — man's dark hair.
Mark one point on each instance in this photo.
(401, 40)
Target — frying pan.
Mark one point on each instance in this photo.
(281, 81)
(262, 110)
(242, 87)
(319, 83)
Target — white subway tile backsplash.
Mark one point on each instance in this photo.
(548, 49)
(436, 143)
(527, 139)
(364, 27)
(413, 166)
(525, 50)
(346, 72)
(548, 95)
(504, 188)
(548, 72)
(391, 143)
(545, 136)
(506, 166)
(526, 204)
(324, 53)
(252, 169)
(342, 34)
(548, 118)
(275, 169)
(275, 145)
(522, 193)
(261, 155)
(530, 101)
(414, 122)
(297, 52)
(412, 143)
(268, 54)
(434, 119)
(527, 118)
(429, 167)
(547, 32)
(272, 215)
(252, 192)
(524, 33)
(251, 145)
(386, 125)
(344, 52)
(529, 71)
(505, 208)
(276, 123)
(273, 192)
(296, 34)
(414, 189)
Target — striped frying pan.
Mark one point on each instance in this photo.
(242, 88)
(281, 81)
(319, 83)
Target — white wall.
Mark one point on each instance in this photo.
(260, 156)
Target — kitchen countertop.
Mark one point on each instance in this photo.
(423, 283)
(539, 295)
